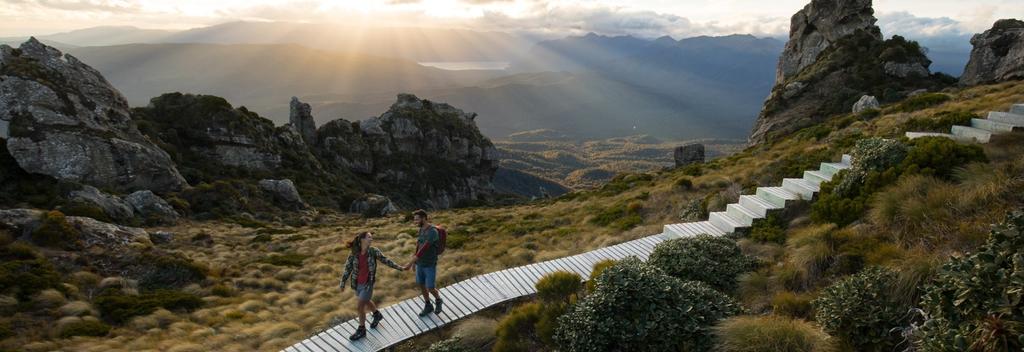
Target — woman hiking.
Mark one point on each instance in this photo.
(360, 272)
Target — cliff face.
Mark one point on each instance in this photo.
(834, 56)
(62, 119)
(66, 121)
(998, 54)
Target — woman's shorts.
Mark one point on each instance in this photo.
(364, 292)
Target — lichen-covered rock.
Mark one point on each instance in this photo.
(817, 26)
(161, 237)
(689, 154)
(93, 233)
(152, 208)
(66, 121)
(864, 103)
(284, 193)
(998, 54)
(836, 55)
(113, 206)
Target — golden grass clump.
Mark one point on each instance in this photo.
(77, 309)
(770, 334)
(811, 249)
(49, 298)
(476, 332)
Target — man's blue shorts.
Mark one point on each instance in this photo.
(425, 276)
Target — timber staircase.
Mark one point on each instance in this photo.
(981, 130)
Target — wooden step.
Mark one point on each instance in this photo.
(1017, 109)
(816, 177)
(724, 222)
(1005, 117)
(805, 189)
(992, 125)
(979, 135)
(777, 196)
(742, 214)
(758, 205)
(831, 169)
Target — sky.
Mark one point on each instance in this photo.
(935, 19)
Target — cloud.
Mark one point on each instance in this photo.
(109, 6)
(937, 33)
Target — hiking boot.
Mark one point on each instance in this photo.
(438, 302)
(376, 319)
(360, 333)
(427, 309)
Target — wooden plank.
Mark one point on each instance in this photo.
(496, 286)
(503, 276)
(379, 336)
(320, 344)
(413, 318)
(583, 267)
(398, 323)
(513, 277)
(392, 327)
(566, 265)
(486, 293)
(336, 341)
(560, 265)
(523, 280)
(309, 345)
(468, 297)
(451, 300)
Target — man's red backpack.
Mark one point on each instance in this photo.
(442, 235)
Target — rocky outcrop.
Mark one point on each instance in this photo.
(66, 121)
(113, 206)
(864, 103)
(152, 208)
(817, 26)
(836, 55)
(93, 233)
(689, 154)
(425, 154)
(998, 54)
(301, 117)
(284, 193)
(373, 205)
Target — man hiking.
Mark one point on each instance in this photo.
(425, 259)
(361, 273)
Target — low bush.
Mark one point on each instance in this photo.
(770, 334)
(517, 331)
(713, 260)
(161, 271)
(941, 122)
(26, 277)
(223, 291)
(118, 308)
(261, 238)
(795, 305)
(770, 229)
(84, 328)
(598, 268)
(939, 156)
(684, 183)
(921, 101)
(452, 344)
(85, 210)
(559, 287)
(637, 307)
(5, 330)
(54, 231)
(862, 310)
(620, 216)
(289, 259)
(976, 301)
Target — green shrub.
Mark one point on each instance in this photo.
(621, 216)
(289, 259)
(559, 287)
(862, 311)
(941, 122)
(596, 271)
(179, 205)
(769, 229)
(637, 307)
(118, 308)
(85, 328)
(769, 334)
(159, 271)
(977, 302)
(223, 291)
(939, 156)
(5, 330)
(921, 101)
(516, 331)
(54, 231)
(26, 277)
(794, 305)
(713, 260)
(684, 183)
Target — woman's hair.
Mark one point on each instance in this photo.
(356, 243)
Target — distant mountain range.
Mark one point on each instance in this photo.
(586, 87)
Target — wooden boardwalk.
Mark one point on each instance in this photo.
(402, 322)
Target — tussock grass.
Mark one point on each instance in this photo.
(769, 334)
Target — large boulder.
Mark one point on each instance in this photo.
(689, 154)
(284, 193)
(998, 54)
(373, 205)
(152, 208)
(864, 103)
(93, 233)
(113, 206)
(64, 120)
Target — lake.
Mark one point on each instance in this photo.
(467, 65)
